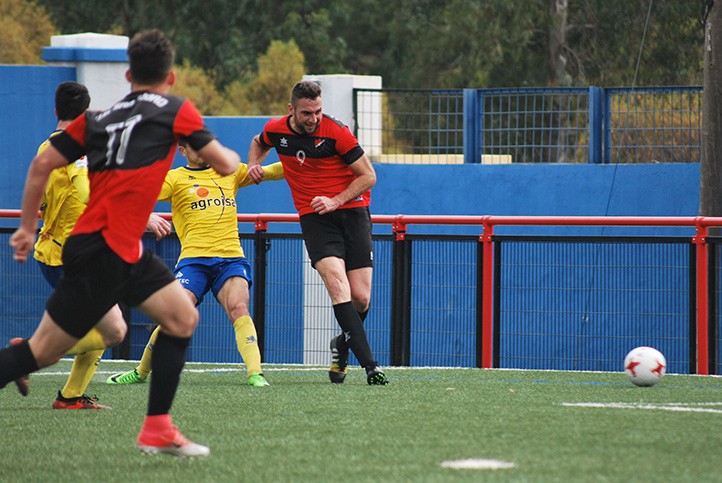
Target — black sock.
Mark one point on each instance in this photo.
(15, 361)
(350, 322)
(168, 360)
(341, 343)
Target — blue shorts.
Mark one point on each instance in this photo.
(51, 273)
(210, 273)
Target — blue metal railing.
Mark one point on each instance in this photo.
(534, 125)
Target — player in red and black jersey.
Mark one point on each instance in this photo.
(330, 178)
(130, 148)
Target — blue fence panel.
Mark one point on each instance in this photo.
(284, 302)
(653, 125)
(583, 306)
(536, 125)
(443, 303)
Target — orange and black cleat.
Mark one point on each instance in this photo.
(82, 402)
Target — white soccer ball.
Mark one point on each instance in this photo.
(645, 366)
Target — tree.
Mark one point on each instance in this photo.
(711, 164)
(421, 43)
(195, 84)
(268, 92)
(26, 28)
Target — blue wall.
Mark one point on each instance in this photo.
(26, 116)
(27, 104)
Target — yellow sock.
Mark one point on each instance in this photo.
(92, 341)
(84, 367)
(144, 364)
(247, 341)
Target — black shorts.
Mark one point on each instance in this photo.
(95, 278)
(345, 234)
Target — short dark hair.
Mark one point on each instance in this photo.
(305, 90)
(150, 55)
(71, 100)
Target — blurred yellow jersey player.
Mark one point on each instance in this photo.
(66, 194)
(203, 205)
(63, 202)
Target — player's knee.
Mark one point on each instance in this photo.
(361, 302)
(115, 334)
(46, 358)
(238, 310)
(183, 324)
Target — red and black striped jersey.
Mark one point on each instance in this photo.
(315, 164)
(130, 148)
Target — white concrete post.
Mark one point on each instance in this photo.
(337, 94)
(100, 62)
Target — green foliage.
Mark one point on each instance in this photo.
(418, 43)
(26, 28)
(268, 92)
(195, 84)
(302, 428)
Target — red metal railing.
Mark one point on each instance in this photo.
(399, 224)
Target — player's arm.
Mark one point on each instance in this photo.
(273, 171)
(158, 225)
(23, 239)
(224, 160)
(365, 179)
(257, 152)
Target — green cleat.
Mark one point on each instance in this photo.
(130, 377)
(257, 380)
(376, 377)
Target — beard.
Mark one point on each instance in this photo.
(305, 128)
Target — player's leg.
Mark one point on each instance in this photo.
(45, 347)
(111, 330)
(333, 273)
(73, 396)
(194, 279)
(91, 341)
(142, 370)
(152, 288)
(360, 287)
(177, 319)
(234, 296)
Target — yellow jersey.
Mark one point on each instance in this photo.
(203, 206)
(61, 207)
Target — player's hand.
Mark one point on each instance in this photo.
(158, 225)
(22, 243)
(256, 173)
(323, 205)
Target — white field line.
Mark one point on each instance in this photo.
(477, 464)
(679, 407)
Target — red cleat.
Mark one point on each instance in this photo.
(22, 382)
(169, 441)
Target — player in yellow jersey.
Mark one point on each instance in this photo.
(203, 205)
(66, 194)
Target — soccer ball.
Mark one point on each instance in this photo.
(645, 366)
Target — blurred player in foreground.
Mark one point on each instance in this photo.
(65, 197)
(203, 204)
(130, 148)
